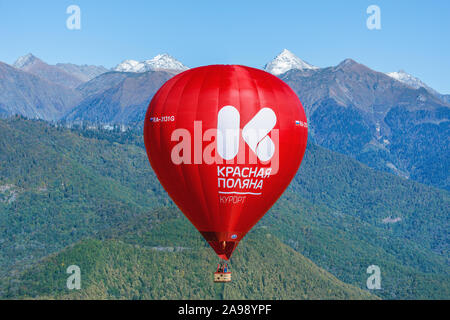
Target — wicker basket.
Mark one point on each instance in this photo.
(222, 276)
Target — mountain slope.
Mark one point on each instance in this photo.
(57, 188)
(157, 263)
(118, 97)
(31, 96)
(345, 217)
(82, 72)
(102, 83)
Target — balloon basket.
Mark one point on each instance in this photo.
(222, 276)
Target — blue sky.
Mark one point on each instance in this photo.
(414, 35)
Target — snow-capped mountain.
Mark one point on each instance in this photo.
(286, 61)
(159, 62)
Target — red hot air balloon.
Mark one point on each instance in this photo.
(225, 141)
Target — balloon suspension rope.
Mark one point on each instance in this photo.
(223, 263)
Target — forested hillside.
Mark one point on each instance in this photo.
(59, 187)
(161, 256)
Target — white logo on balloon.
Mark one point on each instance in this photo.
(255, 133)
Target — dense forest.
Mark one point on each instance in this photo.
(151, 258)
(89, 197)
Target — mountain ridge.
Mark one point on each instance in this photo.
(351, 109)
(376, 119)
(31, 64)
(126, 100)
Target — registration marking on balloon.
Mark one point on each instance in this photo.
(162, 119)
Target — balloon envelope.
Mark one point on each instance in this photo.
(225, 141)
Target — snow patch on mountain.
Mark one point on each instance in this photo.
(416, 83)
(25, 61)
(159, 62)
(286, 61)
(130, 66)
(408, 79)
